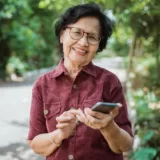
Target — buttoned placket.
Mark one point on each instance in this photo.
(73, 105)
(70, 157)
(75, 86)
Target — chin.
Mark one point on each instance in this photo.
(79, 61)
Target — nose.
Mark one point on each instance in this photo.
(83, 41)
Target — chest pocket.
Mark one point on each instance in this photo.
(51, 111)
(82, 129)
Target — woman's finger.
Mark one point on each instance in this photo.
(115, 112)
(97, 123)
(82, 117)
(61, 125)
(95, 114)
(62, 118)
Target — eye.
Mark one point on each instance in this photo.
(76, 31)
(93, 37)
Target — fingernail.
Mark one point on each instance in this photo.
(69, 117)
(85, 110)
(80, 110)
(119, 104)
(77, 116)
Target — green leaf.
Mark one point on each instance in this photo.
(144, 154)
(147, 136)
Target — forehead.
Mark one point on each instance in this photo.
(88, 24)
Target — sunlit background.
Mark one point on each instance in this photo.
(28, 48)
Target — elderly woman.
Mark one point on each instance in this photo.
(64, 96)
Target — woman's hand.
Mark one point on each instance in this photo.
(96, 120)
(66, 124)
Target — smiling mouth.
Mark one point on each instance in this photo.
(79, 51)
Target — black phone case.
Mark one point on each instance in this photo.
(104, 107)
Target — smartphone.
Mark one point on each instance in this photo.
(104, 107)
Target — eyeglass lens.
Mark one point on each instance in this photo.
(77, 33)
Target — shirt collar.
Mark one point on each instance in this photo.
(90, 69)
(60, 69)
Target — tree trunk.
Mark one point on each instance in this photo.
(158, 62)
(4, 56)
(131, 55)
(157, 45)
(138, 48)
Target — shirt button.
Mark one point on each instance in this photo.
(70, 157)
(74, 86)
(45, 111)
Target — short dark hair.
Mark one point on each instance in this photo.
(73, 14)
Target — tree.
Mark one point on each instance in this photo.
(27, 33)
(143, 18)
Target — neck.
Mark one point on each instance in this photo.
(72, 68)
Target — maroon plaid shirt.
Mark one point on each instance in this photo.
(54, 93)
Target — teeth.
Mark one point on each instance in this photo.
(79, 50)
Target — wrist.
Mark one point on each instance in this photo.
(59, 135)
(56, 137)
(109, 127)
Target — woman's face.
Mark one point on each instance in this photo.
(80, 51)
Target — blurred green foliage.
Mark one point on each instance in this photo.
(141, 22)
(145, 74)
(147, 125)
(146, 97)
(15, 65)
(27, 28)
(27, 31)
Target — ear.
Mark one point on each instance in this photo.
(61, 36)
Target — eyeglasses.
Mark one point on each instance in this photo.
(77, 33)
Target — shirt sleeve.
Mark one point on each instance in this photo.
(37, 120)
(117, 96)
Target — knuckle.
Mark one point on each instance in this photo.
(94, 113)
(64, 113)
(93, 121)
(58, 119)
(97, 113)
